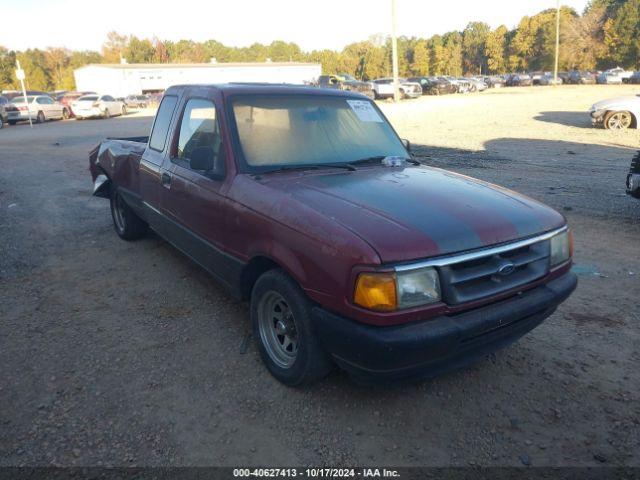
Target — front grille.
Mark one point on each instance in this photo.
(484, 276)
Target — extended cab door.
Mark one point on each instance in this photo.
(194, 198)
(151, 170)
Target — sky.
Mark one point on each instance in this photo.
(316, 24)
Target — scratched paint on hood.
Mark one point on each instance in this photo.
(418, 212)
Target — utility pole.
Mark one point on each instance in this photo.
(555, 68)
(394, 52)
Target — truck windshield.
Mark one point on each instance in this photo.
(286, 130)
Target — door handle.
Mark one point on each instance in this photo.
(165, 180)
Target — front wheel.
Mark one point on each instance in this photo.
(618, 120)
(127, 224)
(282, 327)
(65, 114)
(106, 113)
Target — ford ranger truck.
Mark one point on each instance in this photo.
(305, 202)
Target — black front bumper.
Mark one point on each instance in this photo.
(434, 346)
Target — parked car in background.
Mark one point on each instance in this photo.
(608, 78)
(535, 77)
(617, 113)
(547, 79)
(577, 77)
(477, 84)
(67, 99)
(344, 81)
(635, 78)
(136, 101)
(433, 85)
(306, 203)
(11, 94)
(383, 88)
(519, 80)
(92, 106)
(495, 81)
(623, 74)
(39, 107)
(4, 116)
(633, 177)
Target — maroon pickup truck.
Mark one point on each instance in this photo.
(305, 202)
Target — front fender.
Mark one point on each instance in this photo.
(102, 186)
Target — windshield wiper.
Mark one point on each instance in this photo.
(379, 158)
(312, 166)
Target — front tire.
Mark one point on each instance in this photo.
(106, 114)
(620, 120)
(65, 114)
(127, 224)
(284, 333)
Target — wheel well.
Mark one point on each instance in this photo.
(252, 271)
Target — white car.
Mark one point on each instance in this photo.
(621, 73)
(39, 107)
(616, 113)
(105, 106)
(383, 88)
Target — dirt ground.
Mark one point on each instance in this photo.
(116, 353)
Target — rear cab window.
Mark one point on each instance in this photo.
(162, 122)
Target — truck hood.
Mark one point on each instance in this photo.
(417, 212)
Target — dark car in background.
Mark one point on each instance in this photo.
(344, 81)
(434, 86)
(495, 81)
(635, 78)
(577, 77)
(633, 178)
(4, 116)
(519, 80)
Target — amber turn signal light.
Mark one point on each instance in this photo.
(376, 291)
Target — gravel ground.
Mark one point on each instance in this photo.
(116, 353)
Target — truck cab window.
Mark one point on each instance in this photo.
(161, 125)
(199, 142)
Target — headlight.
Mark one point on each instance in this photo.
(397, 290)
(561, 248)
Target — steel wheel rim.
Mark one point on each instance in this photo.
(277, 328)
(118, 214)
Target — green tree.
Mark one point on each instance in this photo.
(7, 66)
(33, 63)
(113, 47)
(139, 50)
(474, 38)
(495, 50)
(453, 53)
(421, 58)
(625, 35)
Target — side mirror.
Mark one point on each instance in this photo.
(407, 144)
(202, 159)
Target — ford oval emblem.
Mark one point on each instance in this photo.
(506, 269)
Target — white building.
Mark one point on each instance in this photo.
(124, 79)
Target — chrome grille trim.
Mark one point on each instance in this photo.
(486, 252)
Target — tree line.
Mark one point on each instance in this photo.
(605, 35)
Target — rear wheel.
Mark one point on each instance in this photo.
(65, 114)
(123, 111)
(40, 117)
(1, 122)
(618, 120)
(282, 327)
(106, 113)
(127, 224)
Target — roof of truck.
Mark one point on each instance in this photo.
(266, 88)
